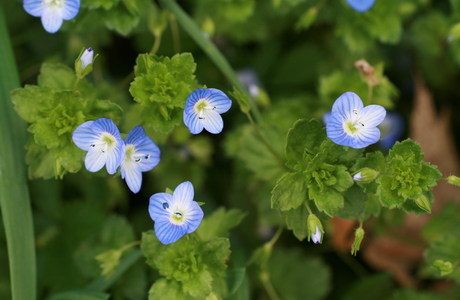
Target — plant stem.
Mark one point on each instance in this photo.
(265, 278)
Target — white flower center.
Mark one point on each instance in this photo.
(201, 106)
(132, 155)
(354, 124)
(105, 143)
(176, 215)
(58, 3)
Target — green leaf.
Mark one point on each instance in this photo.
(80, 295)
(235, 278)
(167, 290)
(290, 192)
(303, 138)
(408, 294)
(122, 18)
(443, 223)
(293, 277)
(409, 150)
(109, 261)
(307, 18)
(327, 199)
(379, 284)
(296, 220)
(354, 205)
(33, 103)
(219, 223)
(16, 215)
(56, 76)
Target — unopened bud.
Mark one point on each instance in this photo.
(84, 63)
(453, 180)
(315, 228)
(423, 202)
(359, 235)
(366, 175)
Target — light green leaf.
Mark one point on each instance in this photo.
(296, 220)
(219, 223)
(290, 192)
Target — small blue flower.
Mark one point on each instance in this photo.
(203, 108)
(141, 155)
(176, 214)
(86, 58)
(361, 5)
(353, 125)
(103, 142)
(52, 12)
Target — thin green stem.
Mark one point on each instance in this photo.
(130, 245)
(76, 83)
(156, 44)
(209, 48)
(265, 278)
(275, 237)
(308, 207)
(175, 32)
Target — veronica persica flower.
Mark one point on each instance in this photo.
(353, 125)
(141, 155)
(203, 108)
(361, 5)
(103, 142)
(52, 12)
(176, 214)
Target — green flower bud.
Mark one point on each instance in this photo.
(315, 228)
(453, 180)
(423, 203)
(445, 267)
(366, 175)
(359, 235)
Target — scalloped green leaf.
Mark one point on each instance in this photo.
(290, 192)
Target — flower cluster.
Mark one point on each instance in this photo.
(101, 138)
(353, 125)
(52, 12)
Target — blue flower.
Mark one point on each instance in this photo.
(176, 214)
(353, 125)
(52, 12)
(103, 142)
(203, 108)
(361, 5)
(141, 155)
(392, 129)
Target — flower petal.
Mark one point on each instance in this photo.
(84, 136)
(346, 103)
(136, 136)
(152, 151)
(372, 115)
(115, 157)
(361, 5)
(168, 233)
(365, 137)
(95, 160)
(70, 9)
(157, 207)
(335, 131)
(34, 7)
(133, 176)
(194, 217)
(220, 101)
(212, 121)
(52, 18)
(105, 125)
(192, 121)
(183, 194)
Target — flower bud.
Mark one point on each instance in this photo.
(315, 228)
(359, 235)
(366, 175)
(444, 267)
(84, 62)
(453, 180)
(423, 202)
(87, 58)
